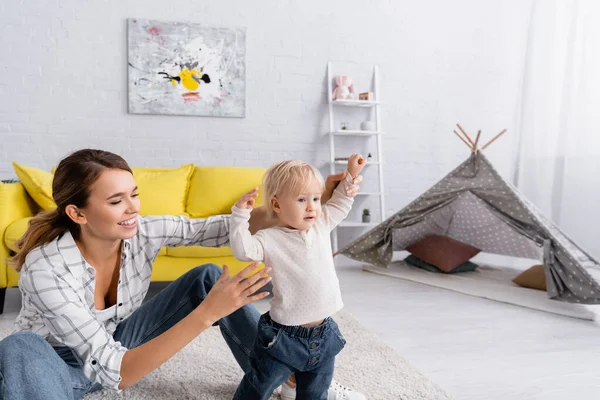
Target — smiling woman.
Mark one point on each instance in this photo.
(85, 270)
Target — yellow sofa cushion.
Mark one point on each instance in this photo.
(163, 191)
(214, 190)
(167, 269)
(198, 251)
(38, 184)
(15, 231)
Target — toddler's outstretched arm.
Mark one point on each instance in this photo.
(340, 204)
(356, 163)
(244, 245)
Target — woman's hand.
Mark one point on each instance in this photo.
(229, 294)
(333, 180)
(226, 296)
(247, 200)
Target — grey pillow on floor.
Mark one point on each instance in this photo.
(417, 262)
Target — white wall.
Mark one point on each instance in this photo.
(63, 82)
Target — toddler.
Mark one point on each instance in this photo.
(298, 334)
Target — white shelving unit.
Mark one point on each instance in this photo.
(337, 134)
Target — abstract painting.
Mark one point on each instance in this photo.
(186, 69)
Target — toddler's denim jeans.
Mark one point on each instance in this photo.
(281, 350)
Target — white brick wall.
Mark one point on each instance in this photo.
(63, 80)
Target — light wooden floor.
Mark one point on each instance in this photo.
(473, 348)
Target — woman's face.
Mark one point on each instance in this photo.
(112, 207)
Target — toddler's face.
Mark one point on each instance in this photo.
(300, 211)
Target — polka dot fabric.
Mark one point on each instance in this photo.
(474, 205)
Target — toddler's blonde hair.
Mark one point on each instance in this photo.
(288, 177)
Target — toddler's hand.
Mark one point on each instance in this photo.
(247, 200)
(356, 163)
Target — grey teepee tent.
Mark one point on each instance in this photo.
(473, 204)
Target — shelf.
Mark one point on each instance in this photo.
(356, 224)
(355, 103)
(356, 133)
(366, 142)
(346, 162)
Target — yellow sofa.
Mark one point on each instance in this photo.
(193, 191)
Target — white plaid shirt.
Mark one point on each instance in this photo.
(57, 287)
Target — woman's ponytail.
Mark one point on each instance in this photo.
(42, 229)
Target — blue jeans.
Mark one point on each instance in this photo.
(31, 369)
(281, 350)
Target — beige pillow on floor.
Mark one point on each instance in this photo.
(533, 278)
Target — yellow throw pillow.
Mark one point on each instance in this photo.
(15, 231)
(38, 184)
(533, 278)
(163, 191)
(214, 190)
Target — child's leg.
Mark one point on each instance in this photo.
(266, 372)
(314, 384)
(325, 343)
(265, 375)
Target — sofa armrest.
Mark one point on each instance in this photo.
(15, 204)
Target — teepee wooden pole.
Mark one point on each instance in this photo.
(476, 141)
(463, 140)
(466, 134)
(494, 139)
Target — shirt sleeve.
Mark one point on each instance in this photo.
(244, 245)
(337, 208)
(72, 324)
(173, 231)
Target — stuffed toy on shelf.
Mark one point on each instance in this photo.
(345, 88)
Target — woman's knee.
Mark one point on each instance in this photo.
(208, 273)
(21, 343)
(27, 359)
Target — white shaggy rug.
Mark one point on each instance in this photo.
(205, 369)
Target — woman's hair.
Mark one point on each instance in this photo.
(288, 177)
(71, 185)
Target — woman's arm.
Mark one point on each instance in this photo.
(173, 231)
(225, 297)
(338, 206)
(334, 180)
(260, 219)
(340, 203)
